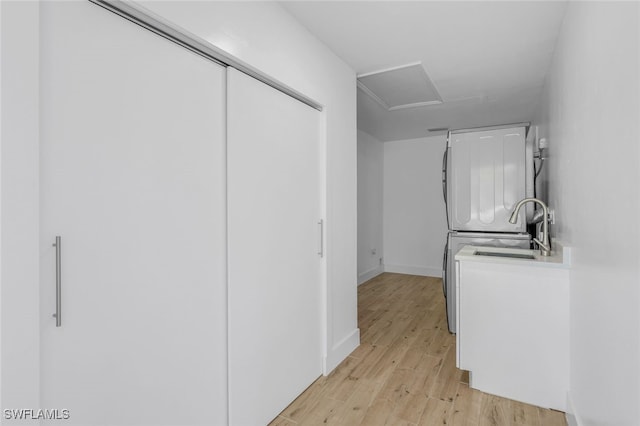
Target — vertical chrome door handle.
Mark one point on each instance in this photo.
(444, 175)
(321, 252)
(445, 265)
(58, 314)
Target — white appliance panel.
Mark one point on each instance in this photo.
(485, 179)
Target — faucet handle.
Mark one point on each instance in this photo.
(545, 249)
(541, 244)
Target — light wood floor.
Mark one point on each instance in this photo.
(404, 372)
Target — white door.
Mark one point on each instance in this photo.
(275, 346)
(133, 180)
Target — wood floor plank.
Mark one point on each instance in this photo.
(298, 409)
(412, 359)
(551, 417)
(385, 365)
(426, 376)
(403, 372)
(448, 378)
(378, 413)
(395, 421)
(379, 328)
(495, 411)
(423, 340)
(323, 412)
(355, 407)
(362, 350)
(440, 343)
(410, 407)
(396, 386)
(395, 331)
(415, 327)
(437, 413)
(466, 406)
(281, 421)
(342, 387)
(524, 414)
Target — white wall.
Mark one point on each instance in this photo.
(589, 113)
(415, 224)
(370, 184)
(266, 37)
(19, 214)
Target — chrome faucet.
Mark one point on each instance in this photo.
(545, 244)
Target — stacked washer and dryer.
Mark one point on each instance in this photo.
(485, 172)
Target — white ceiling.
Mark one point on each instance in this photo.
(488, 60)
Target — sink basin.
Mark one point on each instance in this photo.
(499, 254)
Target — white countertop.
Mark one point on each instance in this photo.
(560, 256)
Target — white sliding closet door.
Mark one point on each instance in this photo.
(133, 180)
(275, 343)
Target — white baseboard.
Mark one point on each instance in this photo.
(573, 419)
(371, 273)
(425, 271)
(341, 351)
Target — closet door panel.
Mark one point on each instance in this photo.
(275, 344)
(133, 179)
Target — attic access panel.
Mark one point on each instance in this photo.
(401, 87)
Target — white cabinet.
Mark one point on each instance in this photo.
(513, 333)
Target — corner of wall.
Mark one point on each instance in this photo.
(371, 273)
(571, 416)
